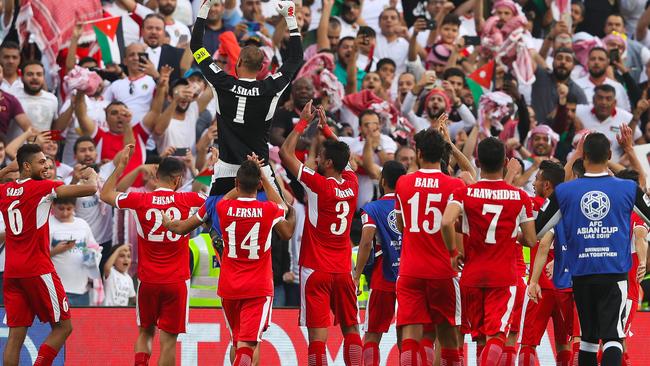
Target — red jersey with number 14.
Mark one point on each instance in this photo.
(421, 198)
(247, 226)
(331, 204)
(25, 207)
(492, 212)
(163, 256)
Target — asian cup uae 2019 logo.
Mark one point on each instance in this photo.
(392, 222)
(594, 205)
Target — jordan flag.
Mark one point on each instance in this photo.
(110, 39)
(480, 80)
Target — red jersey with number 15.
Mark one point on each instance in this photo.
(331, 204)
(492, 212)
(421, 198)
(247, 225)
(163, 256)
(25, 207)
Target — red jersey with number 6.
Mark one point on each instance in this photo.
(331, 204)
(163, 256)
(247, 224)
(495, 209)
(25, 207)
(421, 199)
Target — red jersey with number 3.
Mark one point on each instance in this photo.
(25, 207)
(247, 225)
(331, 204)
(163, 256)
(494, 210)
(421, 198)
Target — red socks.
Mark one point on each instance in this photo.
(410, 355)
(317, 354)
(243, 356)
(352, 349)
(575, 351)
(492, 352)
(427, 353)
(563, 358)
(528, 357)
(46, 355)
(371, 354)
(449, 357)
(508, 356)
(142, 359)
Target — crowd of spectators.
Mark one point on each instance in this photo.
(536, 76)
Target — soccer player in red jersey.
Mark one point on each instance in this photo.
(495, 211)
(31, 285)
(554, 303)
(427, 287)
(326, 251)
(163, 270)
(246, 278)
(380, 229)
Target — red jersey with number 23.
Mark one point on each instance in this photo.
(421, 198)
(25, 207)
(163, 256)
(331, 204)
(246, 224)
(494, 209)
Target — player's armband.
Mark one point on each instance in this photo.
(201, 54)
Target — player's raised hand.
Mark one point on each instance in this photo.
(165, 73)
(534, 292)
(125, 155)
(286, 8)
(308, 112)
(624, 137)
(258, 160)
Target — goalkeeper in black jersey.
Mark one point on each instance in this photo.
(245, 106)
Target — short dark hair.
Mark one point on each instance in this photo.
(82, 139)
(580, 4)
(252, 58)
(177, 82)
(113, 104)
(552, 172)
(170, 168)
(334, 23)
(249, 176)
(338, 152)
(598, 48)
(25, 154)
(367, 112)
(385, 61)
(30, 63)
(451, 19)
(571, 99)
(10, 45)
(454, 71)
(431, 144)
(391, 8)
(578, 167)
(391, 171)
(597, 148)
(86, 60)
(364, 30)
(491, 155)
(605, 88)
(153, 15)
(629, 174)
(348, 38)
(65, 201)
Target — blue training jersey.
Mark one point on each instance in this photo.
(595, 212)
(561, 273)
(383, 214)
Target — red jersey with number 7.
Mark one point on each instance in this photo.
(331, 203)
(25, 207)
(163, 256)
(421, 198)
(492, 213)
(247, 225)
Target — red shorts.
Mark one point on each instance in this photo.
(488, 310)
(321, 292)
(515, 321)
(553, 304)
(247, 318)
(422, 301)
(42, 296)
(380, 311)
(165, 305)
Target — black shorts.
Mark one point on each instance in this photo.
(600, 301)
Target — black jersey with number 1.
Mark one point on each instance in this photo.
(245, 107)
